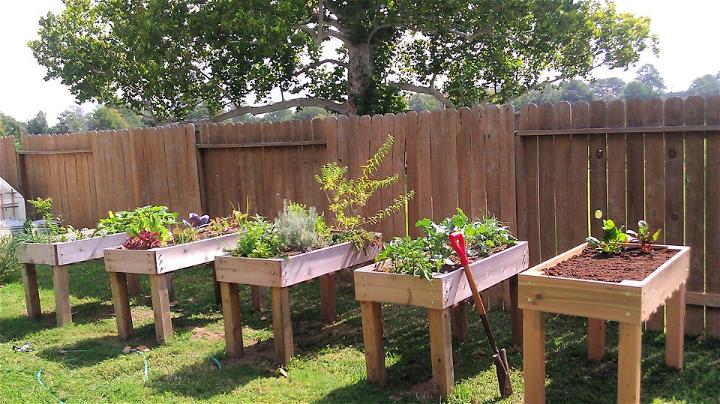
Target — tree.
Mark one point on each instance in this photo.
(423, 102)
(164, 58)
(637, 89)
(70, 120)
(10, 126)
(38, 125)
(649, 76)
(608, 89)
(106, 118)
(574, 91)
(706, 85)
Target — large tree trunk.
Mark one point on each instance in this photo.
(360, 70)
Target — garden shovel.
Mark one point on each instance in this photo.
(457, 241)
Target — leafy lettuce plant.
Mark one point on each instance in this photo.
(644, 236)
(155, 219)
(613, 239)
(145, 240)
(257, 239)
(410, 256)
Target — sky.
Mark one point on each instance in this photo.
(684, 30)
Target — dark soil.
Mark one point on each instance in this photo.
(631, 265)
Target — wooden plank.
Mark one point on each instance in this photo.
(534, 356)
(450, 169)
(372, 326)
(616, 176)
(376, 138)
(30, 286)
(61, 285)
(674, 215)
(563, 187)
(598, 166)
(637, 130)
(161, 307)
(529, 119)
(250, 271)
(459, 318)
(328, 297)
(629, 357)
(130, 261)
(121, 304)
(508, 195)
(546, 164)
(257, 295)
(578, 175)
(199, 252)
(709, 300)
(344, 131)
(424, 190)
(437, 161)
(360, 151)
(675, 334)
(694, 114)
(36, 253)
(282, 326)
(661, 284)
(72, 252)
(712, 215)
(310, 265)
(386, 170)
(327, 129)
(232, 319)
(635, 165)
(399, 219)
(463, 152)
(413, 171)
(256, 144)
(478, 189)
(492, 159)
(655, 185)
(596, 339)
(255, 166)
(374, 286)
(295, 154)
(441, 351)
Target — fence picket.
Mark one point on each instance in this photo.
(712, 218)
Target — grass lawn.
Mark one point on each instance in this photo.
(85, 362)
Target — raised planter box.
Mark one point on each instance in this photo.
(157, 263)
(628, 302)
(373, 287)
(59, 255)
(279, 274)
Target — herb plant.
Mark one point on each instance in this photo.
(410, 256)
(44, 210)
(347, 197)
(145, 240)
(300, 228)
(612, 241)
(257, 239)
(644, 236)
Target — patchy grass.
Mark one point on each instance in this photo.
(85, 363)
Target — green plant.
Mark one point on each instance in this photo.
(612, 241)
(154, 219)
(257, 239)
(184, 235)
(300, 228)
(347, 196)
(8, 261)
(409, 256)
(44, 210)
(644, 236)
(145, 240)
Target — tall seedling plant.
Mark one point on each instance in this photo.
(347, 197)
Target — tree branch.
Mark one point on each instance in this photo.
(297, 102)
(425, 90)
(378, 28)
(320, 63)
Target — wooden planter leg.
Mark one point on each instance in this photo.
(629, 355)
(32, 296)
(161, 307)
(596, 339)
(441, 351)
(675, 309)
(516, 316)
(218, 297)
(61, 285)
(372, 325)
(121, 302)
(534, 356)
(133, 284)
(459, 317)
(231, 314)
(282, 326)
(258, 297)
(327, 297)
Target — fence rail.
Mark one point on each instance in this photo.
(652, 159)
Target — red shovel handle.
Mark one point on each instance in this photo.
(457, 241)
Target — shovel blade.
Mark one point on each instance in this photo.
(503, 373)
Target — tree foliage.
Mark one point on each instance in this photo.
(166, 57)
(38, 124)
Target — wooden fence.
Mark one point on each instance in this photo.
(652, 159)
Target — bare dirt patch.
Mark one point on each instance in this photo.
(631, 265)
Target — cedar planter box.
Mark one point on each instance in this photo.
(373, 287)
(59, 255)
(158, 264)
(279, 274)
(629, 302)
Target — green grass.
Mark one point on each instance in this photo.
(329, 363)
